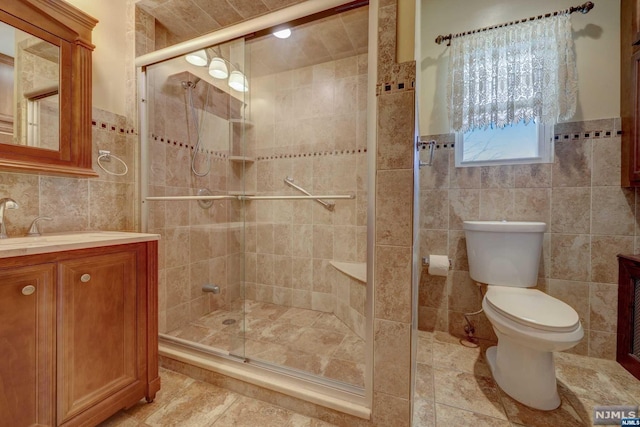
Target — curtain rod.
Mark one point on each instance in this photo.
(583, 8)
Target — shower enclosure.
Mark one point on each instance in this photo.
(256, 178)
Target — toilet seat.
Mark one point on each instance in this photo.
(532, 308)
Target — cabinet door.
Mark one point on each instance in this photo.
(97, 330)
(635, 23)
(27, 327)
(628, 340)
(635, 131)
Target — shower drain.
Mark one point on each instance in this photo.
(228, 321)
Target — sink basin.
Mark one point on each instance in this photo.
(16, 246)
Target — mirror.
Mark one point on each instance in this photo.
(29, 84)
(45, 88)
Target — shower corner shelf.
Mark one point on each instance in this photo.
(240, 159)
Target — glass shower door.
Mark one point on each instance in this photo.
(195, 182)
(258, 185)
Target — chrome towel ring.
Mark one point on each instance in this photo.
(106, 156)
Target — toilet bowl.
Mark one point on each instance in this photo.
(530, 325)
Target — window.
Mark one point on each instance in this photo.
(513, 144)
(507, 76)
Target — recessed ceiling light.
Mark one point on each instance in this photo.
(282, 34)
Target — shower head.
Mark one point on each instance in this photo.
(190, 83)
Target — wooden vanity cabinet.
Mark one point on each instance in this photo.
(630, 91)
(27, 331)
(104, 334)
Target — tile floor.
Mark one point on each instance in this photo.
(185, 402)
(454, 387)
(306, 340)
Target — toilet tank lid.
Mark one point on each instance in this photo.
(505, 226)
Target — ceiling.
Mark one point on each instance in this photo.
(330, 38)
(187, 19)
(335, 37)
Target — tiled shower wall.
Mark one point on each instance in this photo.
(590, 219)
(310, 125)
(199, 246)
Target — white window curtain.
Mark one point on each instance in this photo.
(519, 72)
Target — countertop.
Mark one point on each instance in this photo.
(46, 243)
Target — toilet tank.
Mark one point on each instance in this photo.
(504, 253)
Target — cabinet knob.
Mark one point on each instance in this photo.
(85, 278)
(28, 290)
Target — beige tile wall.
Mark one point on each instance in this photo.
(590, 219)
(199, 246)
(309, 124)
(79, 204)
(393, 223)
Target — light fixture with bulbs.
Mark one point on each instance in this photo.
(218, 69)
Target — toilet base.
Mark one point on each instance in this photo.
(527, 375)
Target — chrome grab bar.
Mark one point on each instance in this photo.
(176, 198)
(320, 196)
(330, 206)
(249, 197)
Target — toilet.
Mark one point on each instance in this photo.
(530, 325)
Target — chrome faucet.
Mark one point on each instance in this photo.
(34, 231)
(8, 204)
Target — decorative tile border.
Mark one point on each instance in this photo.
(311, 154)
(596, 134)
(112, 128)
(446, 140)
(176, 143)
(393, 87)
(224, 155)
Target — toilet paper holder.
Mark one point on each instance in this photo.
(425, 262)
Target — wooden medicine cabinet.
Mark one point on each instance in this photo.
(46, 128)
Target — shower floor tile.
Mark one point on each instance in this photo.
(306, 340)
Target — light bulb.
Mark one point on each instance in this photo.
(199, 58)
(282, 34)
(238, 81)
(218, 69)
